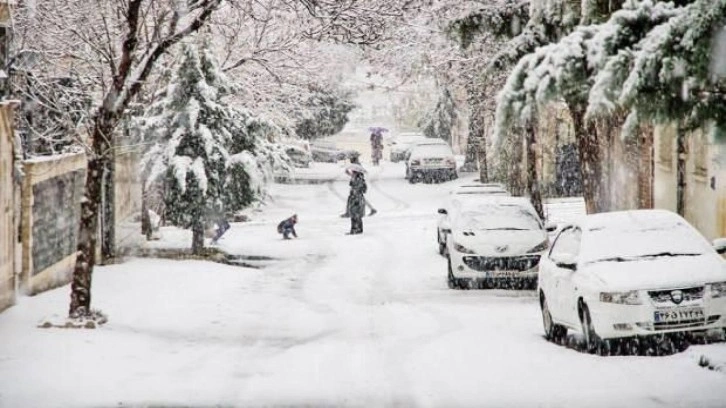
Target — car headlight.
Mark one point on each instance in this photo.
(540, 247)
(624, 298)
(462, 249)
(717, 289)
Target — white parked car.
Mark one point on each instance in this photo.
(431, 162)
(476, 189)
(495, 241)
(400, 145)
(631, 273)
(458, 194)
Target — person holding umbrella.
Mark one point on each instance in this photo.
(355, 164)
(377, 144)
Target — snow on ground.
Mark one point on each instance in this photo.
(338, 321)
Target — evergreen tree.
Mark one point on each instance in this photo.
(206, 150)
(441, 121)
(325, 112)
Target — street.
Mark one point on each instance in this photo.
(329, 320)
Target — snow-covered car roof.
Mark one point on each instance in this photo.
(430, 141)
(638, 233)
(479, 189)
(431, 150)
(496, 212)
(485, 185)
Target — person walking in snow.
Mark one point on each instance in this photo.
(222, 226)
(356, 201)
(287, 227)
(376, 146)
(355, 161)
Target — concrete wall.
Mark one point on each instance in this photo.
(51, 197)
(705, 197)
(8, 219)
(127, 195)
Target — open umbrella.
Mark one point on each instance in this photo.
(377, 129)
(354, 167)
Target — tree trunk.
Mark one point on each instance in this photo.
(483, 166)
(198, 237)
(681, 157)
(473, 142)
(645, 168)
(145, 218)
(533, 188)
(590, 160)
(88, 229)
(515, 171)
(108, 227)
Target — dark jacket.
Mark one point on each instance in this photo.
(287, 224)
(356, 201)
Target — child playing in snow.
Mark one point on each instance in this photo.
(287, 227)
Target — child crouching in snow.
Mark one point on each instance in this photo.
(287, 227)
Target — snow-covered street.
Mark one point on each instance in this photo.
(332, 320)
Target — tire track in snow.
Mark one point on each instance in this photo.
(400, 204)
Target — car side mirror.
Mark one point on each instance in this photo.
(719, 245)
(443, 211)
(550, 226)
(564, 261)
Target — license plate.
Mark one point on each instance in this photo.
(678, 315)
(505, 274)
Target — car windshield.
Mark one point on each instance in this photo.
(629, 244)
(436, 150)
(408, 140)
(499, 218)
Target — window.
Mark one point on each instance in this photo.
(568, 242)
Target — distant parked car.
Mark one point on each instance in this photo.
(400, 145)
(300, 157)
(431, 162)
(327, 152)
(494, 241)
(631, 273)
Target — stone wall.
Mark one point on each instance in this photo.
(51, 197)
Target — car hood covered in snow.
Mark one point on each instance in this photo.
(500, 242)
(663, 272)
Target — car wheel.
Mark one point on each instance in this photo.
(592, 342)
(454, 282)
(553, 332)
(451, 280)
(442, 245)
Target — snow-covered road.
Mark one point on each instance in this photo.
(336, 321)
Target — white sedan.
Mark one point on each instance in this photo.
(433, 161)
(400, 145)
(631, 273)
(465, 192)
(495, 241)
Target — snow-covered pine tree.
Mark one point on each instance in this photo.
(440, 122)
(205, 150)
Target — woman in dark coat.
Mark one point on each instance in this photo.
(356, 201)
